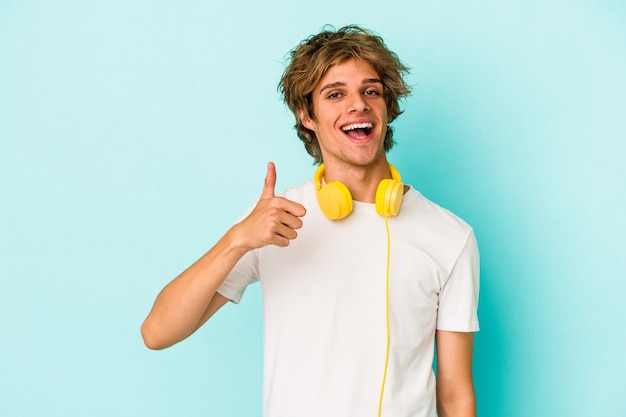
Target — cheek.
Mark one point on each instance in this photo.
(385, 111)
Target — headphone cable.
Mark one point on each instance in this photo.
(382, 388)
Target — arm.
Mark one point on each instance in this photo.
(191, 299)
(455, 387)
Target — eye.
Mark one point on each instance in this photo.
(334, 96)
(371, 92)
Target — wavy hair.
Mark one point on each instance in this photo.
(309, 61)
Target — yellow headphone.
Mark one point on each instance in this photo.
(335, 199)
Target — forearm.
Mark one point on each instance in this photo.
(179, 308)
(461, 404)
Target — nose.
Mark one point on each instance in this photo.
(357, 103)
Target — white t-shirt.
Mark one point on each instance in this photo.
(324, 307)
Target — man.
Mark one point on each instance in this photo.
(360, 273)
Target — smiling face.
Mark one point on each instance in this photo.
(349, 115)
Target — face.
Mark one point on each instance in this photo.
(349, 115)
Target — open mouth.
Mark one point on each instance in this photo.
(358, 130)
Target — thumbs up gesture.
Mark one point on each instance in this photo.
(273, 221)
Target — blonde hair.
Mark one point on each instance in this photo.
(310, 60)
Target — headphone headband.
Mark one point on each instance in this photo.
(335, 199)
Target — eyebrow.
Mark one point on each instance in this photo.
(343, 84)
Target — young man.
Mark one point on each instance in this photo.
(360, 273)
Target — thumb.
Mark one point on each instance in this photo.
(270, 182)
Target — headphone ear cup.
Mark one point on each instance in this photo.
(389, 197)
(335, 200)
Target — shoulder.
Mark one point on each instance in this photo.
(420, 208)
(433, 228)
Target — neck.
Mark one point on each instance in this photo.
(362, 181)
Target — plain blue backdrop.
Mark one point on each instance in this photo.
(133, 133)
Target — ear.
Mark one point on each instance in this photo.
(306, 120)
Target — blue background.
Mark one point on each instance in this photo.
(132, 135)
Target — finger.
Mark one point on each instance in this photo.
(270, 182)
(291, 221)
(288, 206)
(295, 209)
(286, 232)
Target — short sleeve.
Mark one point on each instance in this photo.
(458, 299)
(245, 272)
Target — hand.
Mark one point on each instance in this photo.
(274, 220)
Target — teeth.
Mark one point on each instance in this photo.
(357, 126)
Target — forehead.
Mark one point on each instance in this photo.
(347, 72)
